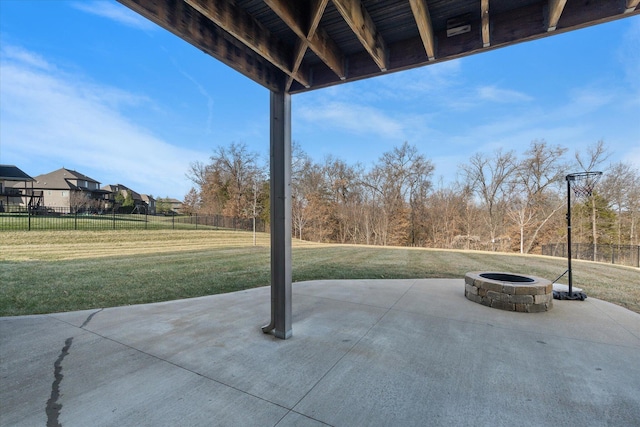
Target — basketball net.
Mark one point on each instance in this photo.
(582, 183)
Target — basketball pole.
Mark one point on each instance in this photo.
(570, 278)
(587, 181)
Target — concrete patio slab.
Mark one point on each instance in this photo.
(366, 352)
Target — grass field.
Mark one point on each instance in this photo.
(44, 272)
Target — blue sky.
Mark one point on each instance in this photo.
(91, 86)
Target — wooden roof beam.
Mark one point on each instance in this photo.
(555, 10)
(188, 24)
(316, 12)
(484, 10)
(420, 11)
(316, 38)
(631, 6)
(300, 50)
(360, 22)
(250, 32)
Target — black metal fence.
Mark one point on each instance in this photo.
(81, 219)
(614, 254)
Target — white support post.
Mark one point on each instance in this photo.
(280, 183)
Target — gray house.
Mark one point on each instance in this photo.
(16, 189)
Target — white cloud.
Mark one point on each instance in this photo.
(351, 117)
(496, 94)
(201, 89)
(19, 54)
(51, 118)
(433, 81)
(115, 12)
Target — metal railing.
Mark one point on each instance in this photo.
(21, 218)
(614, 254)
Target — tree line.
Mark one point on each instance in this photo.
(500, 201)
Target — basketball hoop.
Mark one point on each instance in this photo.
(582, 184)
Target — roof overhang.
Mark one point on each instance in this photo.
(300, 45)
(14, 173)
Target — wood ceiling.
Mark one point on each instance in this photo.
(299, 45)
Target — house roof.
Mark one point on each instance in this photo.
(60, 179)
(301, 45)
(13, 173)
(119, 187)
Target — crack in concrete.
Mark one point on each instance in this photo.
(88, 319)
(53, 407)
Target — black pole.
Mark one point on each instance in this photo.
(569, 236)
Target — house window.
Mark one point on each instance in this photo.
(64, 194)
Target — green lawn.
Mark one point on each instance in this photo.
(44, 272)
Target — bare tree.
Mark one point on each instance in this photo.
(491, 179)
(444, 217)
(596, 155)
(537, 187)
(620, 188)
(191, 202)
(227, 183)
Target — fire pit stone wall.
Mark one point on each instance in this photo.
(507, 291)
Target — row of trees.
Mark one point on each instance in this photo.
(500, 201)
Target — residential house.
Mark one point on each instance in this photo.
(139, 201)
(176, 205)
(70, 191)
(151, 203)
(168, 205)
(16, 189)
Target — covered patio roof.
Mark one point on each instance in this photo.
(293, 46)
(296, 46)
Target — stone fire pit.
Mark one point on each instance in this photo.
(507, 291)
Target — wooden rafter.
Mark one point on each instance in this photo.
(360, 22)
(328, 51)
(272, 45)
(420, 11)
(250, 32)
(631, 6)
(315, 38)
(300, 50)
(317, 10)
(555, 10)
(484, 8)
(199, 31)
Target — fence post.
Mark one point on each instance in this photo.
(75, 220)
(613, 249)
(29, 218)
(173, 222)
(146, 219)
(114, 217)
(196, 221)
